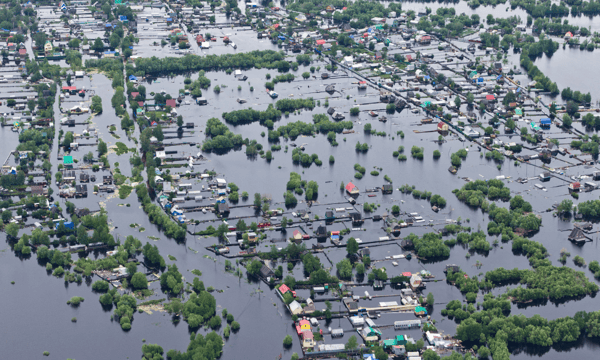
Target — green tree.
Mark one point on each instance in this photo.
(139, 281)
(565, 207)
(352, 343)
(6, 215)
(287, 341)
(102, 148)
(352, 247)
(470, 98)
(12, 230)
(254, 268)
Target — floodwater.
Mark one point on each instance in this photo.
(36, 303)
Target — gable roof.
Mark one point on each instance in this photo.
(350, 186)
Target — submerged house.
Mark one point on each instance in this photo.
(352, 189)
(577, 236)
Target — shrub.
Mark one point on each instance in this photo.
(287, 341)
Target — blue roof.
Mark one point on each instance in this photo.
(169, 19)
(132, 77)
(479, 79)
(110, 52)
(122, 17)
(545, 121)
(499, 77)
(108, 25)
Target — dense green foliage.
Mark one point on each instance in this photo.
(260, 59)
(429, 246)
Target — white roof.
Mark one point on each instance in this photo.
(294, 305)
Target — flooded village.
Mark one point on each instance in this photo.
(367, 180)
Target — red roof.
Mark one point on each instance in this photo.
(320, 42)
(69, 88)
(575, 185)
(407, 274)
(23, 51)
(134, 94)
(409, 57)
(304, 322)
(335, 233)
(298, 330)
(426, 37)
(350, 187)
(441, 125)
(171, 102)
(296, 232)
(140, 103)
(489, 97)
(283, 289)
(362, 82)
(307, 334)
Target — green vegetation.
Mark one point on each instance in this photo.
(429, 246)
(75, 301)
(417, 152)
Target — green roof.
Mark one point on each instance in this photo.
(420, 309)
(68, 160)
(389, 342)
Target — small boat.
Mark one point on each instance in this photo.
(82, 93)
(226, 39)
(427, 121)
(383, 119)
(241, 101)
(373, 113)
(163, 91)
(273, 94)
(372, 195)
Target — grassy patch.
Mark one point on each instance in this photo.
(121, 148)
(172, 258)
(197, 272)
(124, 191)
(151, 302)
(153, 238)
